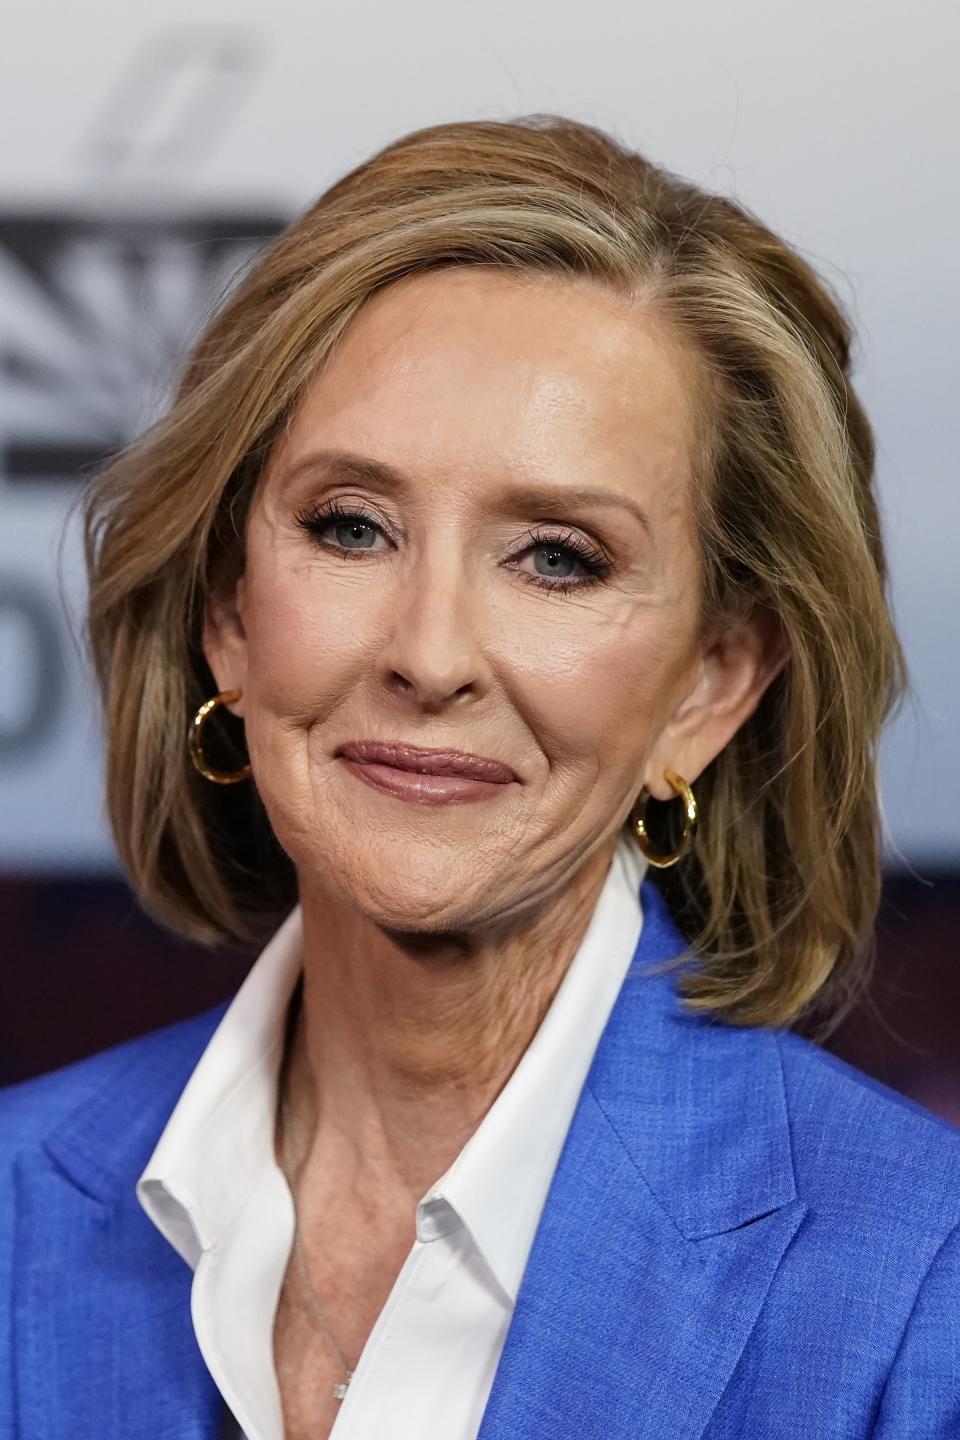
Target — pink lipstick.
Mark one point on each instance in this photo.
(425, 776)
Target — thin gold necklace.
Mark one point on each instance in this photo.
(340, 1389)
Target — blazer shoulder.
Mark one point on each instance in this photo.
(30, 1109)
(860, 1144)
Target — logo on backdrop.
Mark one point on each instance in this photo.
(100, 298)
(97, 314)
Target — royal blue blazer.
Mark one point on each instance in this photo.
(745, 1238)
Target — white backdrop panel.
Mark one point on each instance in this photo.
(836, 122)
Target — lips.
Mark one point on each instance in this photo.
(427, 762)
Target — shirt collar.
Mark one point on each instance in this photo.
(219, 1140)
(498, 1184)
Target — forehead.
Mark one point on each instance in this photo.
(472, 372)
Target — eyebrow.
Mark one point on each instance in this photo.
(345, 465)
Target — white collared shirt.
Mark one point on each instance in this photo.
(214, 1190)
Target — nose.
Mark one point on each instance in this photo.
(434, 653)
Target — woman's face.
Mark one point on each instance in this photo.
(477, 534)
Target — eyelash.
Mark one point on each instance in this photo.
(315, 521)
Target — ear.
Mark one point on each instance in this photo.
(729, 680)
(225, 640)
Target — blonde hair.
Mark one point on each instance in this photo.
(779, 895)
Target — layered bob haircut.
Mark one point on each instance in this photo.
(779, 894)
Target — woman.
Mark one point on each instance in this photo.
(512, 531)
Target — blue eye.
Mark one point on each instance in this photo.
(354, 533)
(347, 531)
(349, 526)
(562, 552)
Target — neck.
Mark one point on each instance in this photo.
(400, 1044)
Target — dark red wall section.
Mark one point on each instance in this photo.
(83, 968)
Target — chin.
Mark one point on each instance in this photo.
(423, 891)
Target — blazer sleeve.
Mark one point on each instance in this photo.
(921, 1399)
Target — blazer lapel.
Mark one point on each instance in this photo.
(104, 1342)
(673, 1202)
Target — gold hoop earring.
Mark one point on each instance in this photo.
(219, 777)
(662, 862)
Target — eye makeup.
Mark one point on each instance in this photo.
(317, 520)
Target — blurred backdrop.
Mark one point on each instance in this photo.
(146, 162)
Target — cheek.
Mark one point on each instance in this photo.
(591, 688)
(302, 645)
(302, 658)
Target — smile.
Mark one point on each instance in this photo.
(423, 789)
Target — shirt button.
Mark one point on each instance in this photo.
(434, 1219)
